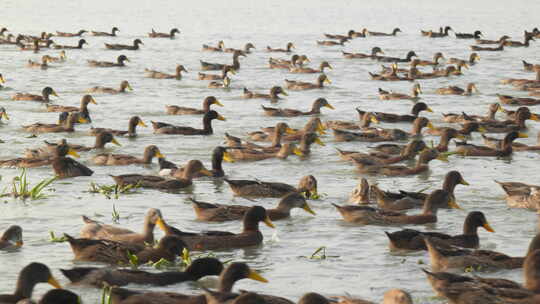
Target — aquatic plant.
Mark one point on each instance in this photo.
(112, 191)
(20, 188)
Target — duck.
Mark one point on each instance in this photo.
(379, 134)
(85, 100)
(2, 81)
(219, 47)
(65, 126)
(206, 66)
(65, 34)
(107, 64)
(256, 188)
(234, 272)
(48, 151)
(170, 34)
(305, 70)
(440, 34)
(117, 253)
(410, 151)
(497, 143)
(41, 65)
(111, 34)
(466, 129)
(476, 35)
(64, 167)
(160, 75)
(314, 124)
(219, 213)
(54, 296)
(372, 216)
(299, 85)
(473, 58)
(3, 114)
(44, 97)
(207, 102)
(219, 154)
(247, 49)
(505, 150)
(95, 276)
(31, 275)
(526, 42)
(350, 34)
(109, 159)
(455, 90)
(415, 111)
(422, 165)
(224, 84)
(486, 41)
(315, 109)
(245, 154)
(71, 47)
(515, 124)
(273, 96)
(410, 239)
(11, 238)
(462, 118)
(213, 240)
(133, 47)
(165, 128)
(407, 58)
(275, 137)
(373, 55)
(226, 69)
(98, 231)
(134, 121)
(521, 195)
(361, 193)
(415, 91)
(392, 296)
(124, 86)
(296, 60)
(332, 42)
(521, 101)
(394, 32)
(287, 49)
(477, 48)
(436, 57)
(529, 66)
(520, 82)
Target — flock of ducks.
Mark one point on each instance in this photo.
(370, 205)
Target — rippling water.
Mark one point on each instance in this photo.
(361, 263)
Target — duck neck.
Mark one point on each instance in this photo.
(320, 83)
(132, 127)
(443, 144)
(217, 161)
(417, 129)
(491, 114)
(315, 109)
(84, 106)
(69, 122)
(206, 106)
(148, 155)
(25, 287)
(148, 231)
(100, 143)
(276, 140)
(46, 97)
(520, 121)
(122, 88)
(469, 228)
(449, 185)
(236, 62)
(250, 225)
(207, 125)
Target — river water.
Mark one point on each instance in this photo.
(358, 258)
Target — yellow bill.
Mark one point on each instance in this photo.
(221, 118)
(217, 103)
(53, 282)
(308, 209)
(268, 222)
(227, 157)
(452, 204)
(329, 106)
(488, 227)
(206, 172)
(73, 153)
(141, 123)
(256, 276)
(319, 142)
(298, 152)
(114, 141)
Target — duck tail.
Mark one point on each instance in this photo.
(77, 274)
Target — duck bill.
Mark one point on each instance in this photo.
(161, 224)
(290, 131)
(92, 100)
(298, 152)
(82, 120)
(522, 135)
(443, 157)
(461, 137)
(535, 117)
(374, 119)
(488, 227)
(114, 141)
(256, 276)
(464, 182)
(221, 118)
(430, 126)
(329, 106)
(19, 243)
(206, 172)
(319, 142)
(268, 222)
(4, 114)
(284, 93)
(54, 93)
(328, 81)
(53, 282)
(482, 130)
(158, 154)
(73, 153)
(429, 110)
(308, 209)
(2, 79)
(142, 124)
(227, 157)
(129, 87)
(452, 204)
(217, 103)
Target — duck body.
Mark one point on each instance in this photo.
(160, 75)
(165, 128)
(72, 47)
(107, 64)
(250, 188)
(170, 35)
(109, 159)
(118, 47)
(521, 195)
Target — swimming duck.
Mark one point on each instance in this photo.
(392, 296)
(220, 213)
(422, 165)
(394, 32)
(488, 49)
(497, 143)
(3, 114)
(160, 75)
(455, 90)
(170, 35)
(275, 137)
(372, 216)
(31, 275)
(71, 47)
(407, 58)
(209, 48)
(522, 101)
(415, 91)
(516, 124)
(115, 252)
(41, 65)
(109, 159)
(66, 126)
(130, 132)
(287, 49)
(219, 154)
(65, 34)
(410, 151)
(315, 109)
(521, 195)
(486, 41)
(256, 188)
(207, 102)
(85, 100)
(111, 34)
(462, 118)
(366, 118)
(165, 128)
(471, 61)
(99, 231)
(44, 97)
(314, 124)
(133, 47)
(505, 149)
(299, 85)
(466, 129)
(226, 69)
(54, 296)
(529, 66)
(224, 84)
(107, 64)
(124, 85)
(48, 151)
(281, 152)
(303, 70)
(380, 134)
(415, 111)
(295, 61)
(436, 57)
(520, 82)
(3, 31)
(414, 240)
(206, 66)
(440, 34)
(512, 43)
(56, 151)
(350, 34)
(374, 51)
(247, 49)
(333, 43)
(476, 35)
(96, 277)
(11, 238)
(275, 91)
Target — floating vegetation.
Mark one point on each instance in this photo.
(20, 188)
